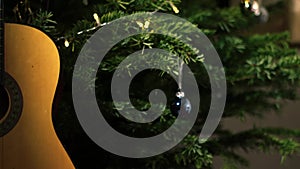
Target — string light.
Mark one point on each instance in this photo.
(86, 30)
(247, 4)
(96, 17)
(67, 44)
(175, 9)
(99, 24)
(146, 25)
(255, 8)
(143, 25)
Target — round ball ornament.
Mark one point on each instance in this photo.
(181, 105)
(251, 6)
(255, 8)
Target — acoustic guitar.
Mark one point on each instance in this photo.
(29, 71)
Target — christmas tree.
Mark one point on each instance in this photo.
(261, 70)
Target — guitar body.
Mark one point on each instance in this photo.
(31, 59)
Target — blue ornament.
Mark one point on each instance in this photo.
(181, 105)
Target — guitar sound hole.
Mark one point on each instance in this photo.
(4, 102)
(11, 104)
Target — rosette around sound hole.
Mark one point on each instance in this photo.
(11, 104)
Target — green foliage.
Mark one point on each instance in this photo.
(194, 154)
(262, 71)
(255, 68)
(43, 20)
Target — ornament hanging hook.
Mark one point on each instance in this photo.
(180, 93)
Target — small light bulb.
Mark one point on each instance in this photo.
(96, 17)
(146, 25)
(255, 8)
(175, 9)
(141, 25)
(247, 5)
(67, 44)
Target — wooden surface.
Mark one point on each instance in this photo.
(294, 20)
(32, 59)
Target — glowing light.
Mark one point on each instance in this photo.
(255, 8)
(96, 17)
(247, 5)
(67, 44)
(175, 9)
(146, 25)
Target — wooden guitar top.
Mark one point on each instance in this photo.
(32, 59)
